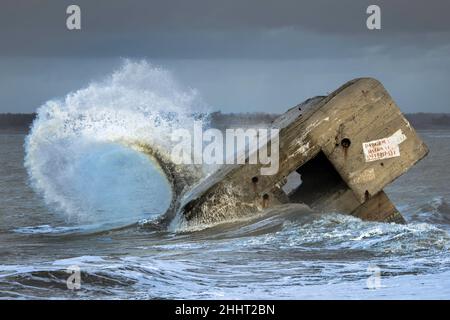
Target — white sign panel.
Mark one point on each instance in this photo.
(384, 148)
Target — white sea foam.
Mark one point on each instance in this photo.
(79, 153)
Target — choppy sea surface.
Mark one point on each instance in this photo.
(288, 256)
(75, 191)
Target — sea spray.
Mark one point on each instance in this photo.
(82, 154)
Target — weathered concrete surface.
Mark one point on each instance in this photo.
(322, 139)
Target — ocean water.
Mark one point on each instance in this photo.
(79, 192)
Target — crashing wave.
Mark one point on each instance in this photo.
(101, 153)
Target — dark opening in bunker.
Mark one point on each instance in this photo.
(319, 179)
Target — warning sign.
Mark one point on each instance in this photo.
(383, 148)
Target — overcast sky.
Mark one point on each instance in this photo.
(253, 55)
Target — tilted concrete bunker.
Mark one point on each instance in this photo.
(346, 146)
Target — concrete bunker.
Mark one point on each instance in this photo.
(346, 147)
(319, 180)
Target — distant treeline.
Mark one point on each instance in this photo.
(417, 120)
(16, 121)
(429, 120)
(22, 121)
(223, 121)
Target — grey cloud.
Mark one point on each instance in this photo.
(219, 29)
(252, 55)
(416, 84)
(318, 15)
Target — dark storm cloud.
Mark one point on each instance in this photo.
(242, 55)
(219, 29)
(319, 15)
